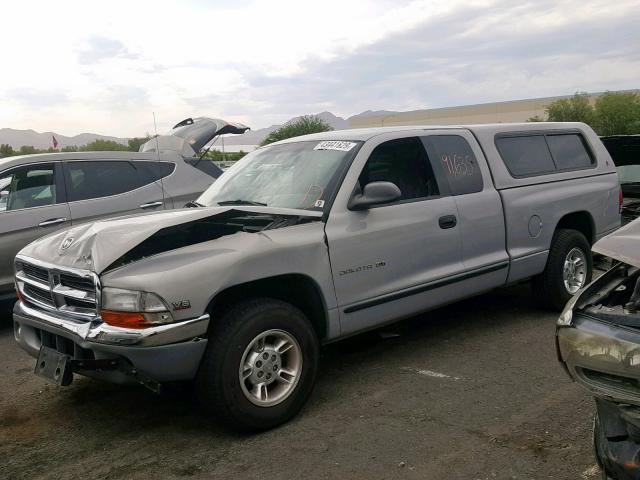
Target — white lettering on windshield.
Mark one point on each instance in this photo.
(335, 145)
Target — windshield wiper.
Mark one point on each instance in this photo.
(193, 204)
(241, 202)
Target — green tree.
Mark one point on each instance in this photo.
(104, 146)
(301, 126)
(70, 148)
(574, 109)
(618, 113)
(28, 150)
(6, 150)
(228, 156)
(136, 142)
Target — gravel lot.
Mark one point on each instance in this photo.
(470, 391)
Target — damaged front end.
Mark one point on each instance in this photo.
(598, 341)
(75, 318)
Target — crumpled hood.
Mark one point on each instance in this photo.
(622, 245)
(96, 246)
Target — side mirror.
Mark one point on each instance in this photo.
(375, 193)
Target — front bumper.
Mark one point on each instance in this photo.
(616, 440)
(161, 354)
(602, 357)
(605, 359)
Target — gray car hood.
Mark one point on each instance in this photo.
(622, 245)
(96, 246)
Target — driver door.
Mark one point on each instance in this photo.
(387, 261)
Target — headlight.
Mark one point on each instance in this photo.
(133, 309)
(564, 320)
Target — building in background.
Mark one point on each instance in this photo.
(498, 112)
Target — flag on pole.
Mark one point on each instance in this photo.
(55, 142)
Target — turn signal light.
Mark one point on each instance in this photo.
(125, 319)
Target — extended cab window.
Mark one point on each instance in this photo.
(525, 155)
(458, 163)
(569, 151)
(403, 162)
(27, 187)
(87, 180)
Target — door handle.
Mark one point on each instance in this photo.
(448, 221)
(150, 205)
(52, 221)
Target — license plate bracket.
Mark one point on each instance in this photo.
(54, 366)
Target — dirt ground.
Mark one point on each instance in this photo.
(470, 391)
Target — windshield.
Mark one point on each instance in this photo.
(293, 175)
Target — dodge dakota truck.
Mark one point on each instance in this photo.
(307, 241)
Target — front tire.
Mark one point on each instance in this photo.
(569, 268)
(260, 365)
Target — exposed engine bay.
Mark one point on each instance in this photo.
(206, 229)
(618, 300)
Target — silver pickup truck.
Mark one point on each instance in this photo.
(307, 241)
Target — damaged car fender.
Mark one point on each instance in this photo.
(229, 261)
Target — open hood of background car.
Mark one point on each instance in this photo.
(622, 245)
(192, 134)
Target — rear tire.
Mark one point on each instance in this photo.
(232, 380)
(550, 288)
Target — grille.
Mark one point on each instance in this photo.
(39, 294)
(82, 284)
(57, 289)
(36, 272)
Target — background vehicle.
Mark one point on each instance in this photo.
(310, 240)
(598, 343)
(625, 152)
(43, 193)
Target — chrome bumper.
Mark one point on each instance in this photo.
(99, 332)
(162, 354)
(602, 357)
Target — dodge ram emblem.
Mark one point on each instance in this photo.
(67, 243)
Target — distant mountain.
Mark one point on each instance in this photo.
(373, 113)
(18, 138)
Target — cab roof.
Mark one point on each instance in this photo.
(364, 134)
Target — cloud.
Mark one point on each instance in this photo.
(264, 61)
(123, 97)
(36, 98)
(96, 49)
(456, 60)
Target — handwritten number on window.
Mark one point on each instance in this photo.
(458, 165)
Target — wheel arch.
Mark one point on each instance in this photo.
(297, 289)
(581, 221)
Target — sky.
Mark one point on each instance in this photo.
(105, 67)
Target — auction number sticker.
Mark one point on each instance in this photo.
(335, 145)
